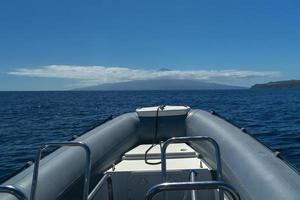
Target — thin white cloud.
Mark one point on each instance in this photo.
(93, 75)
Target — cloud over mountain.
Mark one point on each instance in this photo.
(94, 75)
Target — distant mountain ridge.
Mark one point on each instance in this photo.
(163, 84)
(290, 84)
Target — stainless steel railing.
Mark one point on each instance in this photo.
(203, 185)
(189, 139)
(61, 144)
(193, 179)
(13, 191)
(100, 184)
(98, 187)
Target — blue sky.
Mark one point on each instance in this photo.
(53, 45)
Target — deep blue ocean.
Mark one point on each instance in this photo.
(29, 119)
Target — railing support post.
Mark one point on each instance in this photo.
(62, 144)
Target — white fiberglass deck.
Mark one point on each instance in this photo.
(179, 156)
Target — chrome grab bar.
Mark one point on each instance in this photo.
(97, 187)
(193, 179)
(13, 191)
(61, 144)
(189, 139)
(203, 185)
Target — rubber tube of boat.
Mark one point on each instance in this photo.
(61, 172)
(249, 166)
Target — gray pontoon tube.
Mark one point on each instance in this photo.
(61, 171)
(249, 166)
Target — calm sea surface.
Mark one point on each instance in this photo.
(29, 119)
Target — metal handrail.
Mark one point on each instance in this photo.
(189, 139)
(203, 185)
(61, 144)
(193, 179)
(9, 189)
(96, 189)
